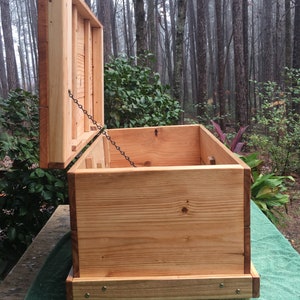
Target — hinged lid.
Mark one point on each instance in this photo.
(70, 58)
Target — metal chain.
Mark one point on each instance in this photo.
(101, 129)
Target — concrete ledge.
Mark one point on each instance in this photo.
(18, 281)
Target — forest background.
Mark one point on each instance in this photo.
(236, 62)
(208, 51)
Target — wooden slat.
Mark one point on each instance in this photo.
(69, 286)
(60, 58)
(167, 288)
(247, 237)
(210, 146)
(255, 282)
(98, 76)
(74, 68)
(157, 146)
(43, 81)
(87, 72)
(86, 12)
(160, 221)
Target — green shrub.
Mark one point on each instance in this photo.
(276, 130)
(28, 194)
(268, 191)
(135, 97)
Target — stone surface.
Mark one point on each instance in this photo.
(20, 278)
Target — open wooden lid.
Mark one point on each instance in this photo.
(70, 58)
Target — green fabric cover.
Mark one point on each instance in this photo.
(50, 283)
(275, 260)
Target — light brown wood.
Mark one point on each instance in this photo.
(69, 285)
(157, 146)
(43, 80)
(98, 78)
(256, 282)
(210, 146)
(167, 288)
(153, 221)
(87, 72)
(67, 63)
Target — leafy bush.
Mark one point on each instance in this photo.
(135, 97)
(19, 127)
(276, 133)
(235, 144)
(28, 194)
(268, 191)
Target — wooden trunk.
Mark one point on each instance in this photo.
(175, 227)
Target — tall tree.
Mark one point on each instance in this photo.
(296, 52)
(267, 41)
(192, 27)
(178, 55)
(220, 61)
(239, 63)
(130, 27)
(140, 24)
(11, 64)
(3, 78)
(114, 28)
(152, 31)
(104, 15)
(127, 28)
(288, 34)
(201, 56)
(246, 49)
(167, 44)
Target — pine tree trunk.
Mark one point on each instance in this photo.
(178, 55)
(201, 57)
(239, 64)
(296, 52)
(220, 62)
(288, 36)
(3, 78)
(104, 15)
(11, 64)
(140, 24)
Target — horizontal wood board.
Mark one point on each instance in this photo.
(156, 146)
(70, 52)
(147, 221)
(167, 288)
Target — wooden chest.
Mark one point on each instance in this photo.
(176, 226)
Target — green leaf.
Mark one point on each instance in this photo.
(11, 233)
(23, 211)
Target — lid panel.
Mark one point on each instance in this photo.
(71, 58)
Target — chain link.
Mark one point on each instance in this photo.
(101, 129)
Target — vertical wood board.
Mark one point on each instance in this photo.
(70, 50)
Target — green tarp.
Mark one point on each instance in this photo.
(275, 260)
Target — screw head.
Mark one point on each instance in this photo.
(221, 285)
(87, 295)
(238, 291)
(104, 288)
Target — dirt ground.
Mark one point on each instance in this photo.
(290, 222)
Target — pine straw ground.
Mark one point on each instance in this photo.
(289, 224)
